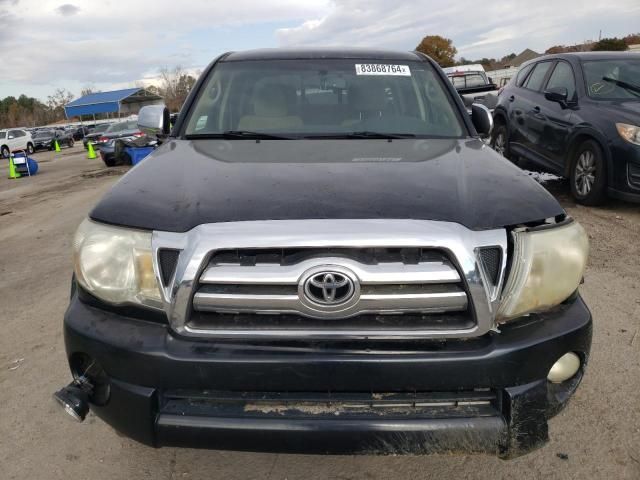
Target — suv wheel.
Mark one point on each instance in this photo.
(5, 152)
(500, 140)
(70, 142)
(588, 174)
(30, 149)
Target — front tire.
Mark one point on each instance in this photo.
(589, 174)
(30, 149)
(70, 142)
(500, 140)
(5, 152)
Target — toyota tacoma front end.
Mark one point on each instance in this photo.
(323, 257)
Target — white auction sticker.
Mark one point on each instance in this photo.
(382, 69)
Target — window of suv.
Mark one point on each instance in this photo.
(43, 133)
(536, 79)
(612, 79)
(562, 77)
(324, 97)
(523, 73)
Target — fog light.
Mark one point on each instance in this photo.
(565, 368)
(74, 400)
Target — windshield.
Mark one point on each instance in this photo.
(612, 79)
(43, 133)
(324, 98)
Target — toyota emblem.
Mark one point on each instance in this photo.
(329, 288)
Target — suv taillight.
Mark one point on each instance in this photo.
(103, 139)
(138, 134)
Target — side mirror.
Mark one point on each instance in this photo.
(154, 120)
(557, 94)
(482, 119)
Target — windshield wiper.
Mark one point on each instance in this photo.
(363, 134)
(244, 134)
(627, 86)
(369, 134)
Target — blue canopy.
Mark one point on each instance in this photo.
(103, 102)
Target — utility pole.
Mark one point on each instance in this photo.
(600, 35)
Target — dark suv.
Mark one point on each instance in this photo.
(324, 256)
(47, 138)
(577, 115)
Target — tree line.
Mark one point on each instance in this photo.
(174, 85)
(443, 51)
(28, 111)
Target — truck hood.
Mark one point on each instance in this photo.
(186, 183)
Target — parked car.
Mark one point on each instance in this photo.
(577, 115)
(113, 151)
(15, 139)
(473, 85)
(125, 129)
(80, 132)
(45, 139)
(324, 256)
(95, 133)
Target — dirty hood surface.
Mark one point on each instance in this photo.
(186, 183)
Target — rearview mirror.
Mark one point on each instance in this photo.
(557, 94)
(154, 120)
(482, 119)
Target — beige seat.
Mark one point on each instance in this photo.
(271, 103)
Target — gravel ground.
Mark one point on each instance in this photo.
(597, 436)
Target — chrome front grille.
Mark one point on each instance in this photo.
(410, 279)
(430, 286)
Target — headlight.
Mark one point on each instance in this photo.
(547, 267)
(630, 133)
(115, 264)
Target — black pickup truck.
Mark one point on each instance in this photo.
(323, 256)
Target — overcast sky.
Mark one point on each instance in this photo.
(114, 43)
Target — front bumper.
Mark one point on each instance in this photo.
(487, 394)
(624, 176)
